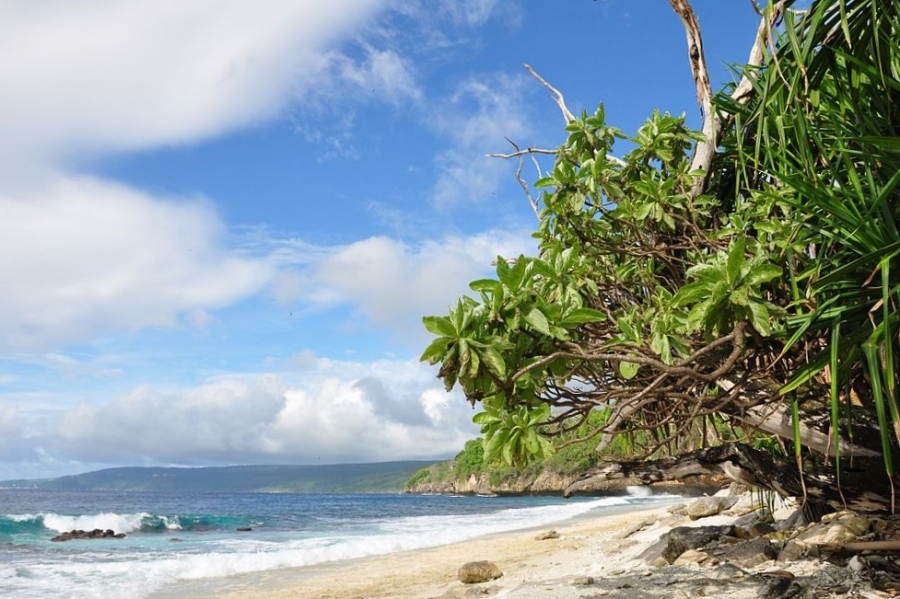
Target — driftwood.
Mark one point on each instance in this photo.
(865, 490)
(875, 546)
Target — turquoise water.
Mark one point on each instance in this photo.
(174, 537)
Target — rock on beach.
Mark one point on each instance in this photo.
(481, 571)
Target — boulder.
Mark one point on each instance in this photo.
(750, 553)
(678, 540)
(481, 571)
(754, 517)
(709, 506)
(839, 527)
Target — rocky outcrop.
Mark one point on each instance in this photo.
(754, 539)
(544, 483)
(88, 534)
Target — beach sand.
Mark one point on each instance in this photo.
(592, 557)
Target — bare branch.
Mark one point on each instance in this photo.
(560, 101)
(712, 125)
(519, 152)
(742, 92)
(706, 149)
(524, 184)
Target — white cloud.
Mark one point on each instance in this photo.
(86, 257)
(473, 13)
(478, 119)
(393, 284)
(112, 74)
(340, 412)
(383, 74)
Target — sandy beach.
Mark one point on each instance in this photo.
(586, 546)
(587, 557)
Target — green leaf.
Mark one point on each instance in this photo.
(763, 274)
(691, 294)
(583, 315)
(435, 351)
(759, 317)
(494, 361)
(628, 370)
(439, 325)
(484, 285)
(736, 260)
(538, 321)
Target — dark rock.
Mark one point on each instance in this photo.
(793, 551)
(244, 529)
(91, 534)
(482, 571)
(757, 529)
(762, 515)
(678, 540)
(779, 585)
(749, 553)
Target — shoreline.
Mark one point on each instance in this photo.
(720, 546)
(432, 572)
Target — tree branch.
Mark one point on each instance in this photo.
(706, 149)
(712, 125)
(557, 96)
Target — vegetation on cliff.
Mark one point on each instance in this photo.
(473, 470)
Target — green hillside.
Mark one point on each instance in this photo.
(385, 477)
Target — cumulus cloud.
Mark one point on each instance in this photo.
(478, 119)
(88, 257)
(334, 412)
(392, 283)
(113, 75)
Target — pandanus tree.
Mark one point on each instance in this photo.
(746, 273)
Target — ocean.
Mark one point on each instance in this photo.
(177, 537)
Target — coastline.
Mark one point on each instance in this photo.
(722, 546)
(588, 545)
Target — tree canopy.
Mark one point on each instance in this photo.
(747, 272)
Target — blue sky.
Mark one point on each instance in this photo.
(221, 221)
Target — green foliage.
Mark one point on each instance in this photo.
(470, 460)
(512, 436)
(659, 307)
(418, 477)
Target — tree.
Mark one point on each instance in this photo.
(739, 273)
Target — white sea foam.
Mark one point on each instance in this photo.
(117, 522)
(639, 491)
(23, 517)
(171, 523)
